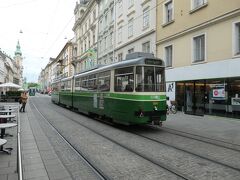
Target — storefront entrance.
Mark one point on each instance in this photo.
(213, 96)
(194, 98)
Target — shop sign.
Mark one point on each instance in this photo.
(236, 101)
(219, 93)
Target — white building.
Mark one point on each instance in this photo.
(106, 32)
(135, 27)
(86, 30)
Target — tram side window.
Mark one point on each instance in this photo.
(54, 87)
(77, 84)
(150, 79)
(124, 80)
(68, 85)
(62, 86)
(149, 85)
(104, 81)
(139, 79)
(92, 82)
(160, 79)
(84, 84)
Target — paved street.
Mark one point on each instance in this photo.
(119, 152)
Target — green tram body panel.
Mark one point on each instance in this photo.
(121, 108)
(65, 97)
(55, 97)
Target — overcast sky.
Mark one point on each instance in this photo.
(46, 26)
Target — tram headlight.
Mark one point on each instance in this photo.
(155, 108)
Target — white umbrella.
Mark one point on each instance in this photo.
(21, 89)
(10, 85)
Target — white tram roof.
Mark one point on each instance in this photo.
(122, 64)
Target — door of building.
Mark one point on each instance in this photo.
(194, 97)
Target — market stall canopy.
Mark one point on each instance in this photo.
(10, 85)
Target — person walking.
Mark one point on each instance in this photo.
(24, 98)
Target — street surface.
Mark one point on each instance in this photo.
(186, 147)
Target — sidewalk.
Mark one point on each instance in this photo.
(8, 163)
(40, 162)
(222, 128)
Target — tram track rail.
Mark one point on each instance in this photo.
(213, 141)
(187, 151)
(95, 169)
(156, 162)
(153, 161)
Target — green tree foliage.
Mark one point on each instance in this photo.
(32, 85)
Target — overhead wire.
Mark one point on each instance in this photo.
(18, 4)
(136, 18)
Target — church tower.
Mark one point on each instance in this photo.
(19, 62)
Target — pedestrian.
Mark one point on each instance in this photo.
(169, 104)
(24, 98)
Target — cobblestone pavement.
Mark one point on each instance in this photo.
(88, 143)
(115, 161)
(222, 128)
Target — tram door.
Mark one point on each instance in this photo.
(194, 97)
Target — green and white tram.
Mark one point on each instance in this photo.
(128, 92)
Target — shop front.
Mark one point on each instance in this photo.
(208, 88)
(214, 96)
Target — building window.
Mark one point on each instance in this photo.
(105, 43)
(120, 7)
(101, 25)
(94, 14)
(111, 39)
(168, 56)
(131, 50)
(130, 3)
(198, 3)
(130, 28)
(100, 46)
(120, 35)
(199, 48)
(168, 11)
(120, 57)
(89, 42)
(86, 26)
(94, 40)
(146, 47)
(112, 14)
(236, 38)
(106, 20)
(146, 18)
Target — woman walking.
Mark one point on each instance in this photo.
(24, 98)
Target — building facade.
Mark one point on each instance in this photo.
(200, 43)
(11, 69)
(135, 27)
(18, 59)
(59, 67)
(106, 32)
(86, 30)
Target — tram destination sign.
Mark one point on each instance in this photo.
(153, 62)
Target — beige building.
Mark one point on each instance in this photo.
(57, 68)
(200, 43)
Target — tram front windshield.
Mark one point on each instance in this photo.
(150, 79)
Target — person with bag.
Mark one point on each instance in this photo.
(23, 98)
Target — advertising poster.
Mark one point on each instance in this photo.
(171, 90)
